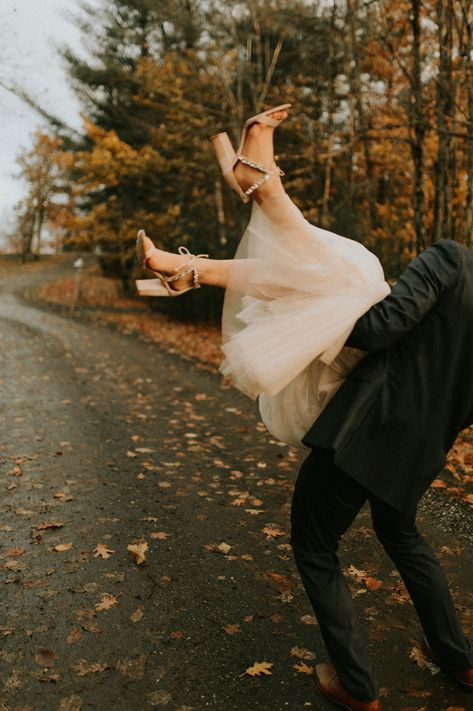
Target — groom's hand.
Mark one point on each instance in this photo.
(419, 288)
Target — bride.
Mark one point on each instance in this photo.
(293, 291)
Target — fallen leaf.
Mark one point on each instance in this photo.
(45, 657)
(286, 596)
(62, 496)
(308, 620)
(49, 524)
(218, 547)
(232, 629)
(137, 615)
(302, 668)
(24, 512)
(356, 573)
(373, 584)
(106, 602)
(62, 547)
(302, 653)
(160, 698)
(259, 668)
(12, 552)
(271, 531)
(138, 551)
(103, 551)
(281, 580)
(83, 667)
(418, 656)
(254, 512)
(160, 535)
(74, 635)
(13, 565)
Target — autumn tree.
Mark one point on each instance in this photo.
(41, 170)
(378, 146)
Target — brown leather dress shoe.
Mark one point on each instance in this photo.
(464, 677)
(331, 686)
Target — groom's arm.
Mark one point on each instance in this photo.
(417, 291)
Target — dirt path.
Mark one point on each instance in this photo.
(107, 440)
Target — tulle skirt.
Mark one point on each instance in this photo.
(294, 294)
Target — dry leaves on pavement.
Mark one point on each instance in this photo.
(259, 668)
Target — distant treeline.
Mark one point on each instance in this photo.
(378, 146)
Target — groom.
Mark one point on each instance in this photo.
(383, 438)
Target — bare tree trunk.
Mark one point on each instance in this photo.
(468, 61)
(418, 126)
(222, 228)
(356, 89)
(445, 165)
(28, 231)
(325, 216)
(39, 231)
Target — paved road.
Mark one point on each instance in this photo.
(108, 440)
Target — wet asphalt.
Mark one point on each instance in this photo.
(109, 441)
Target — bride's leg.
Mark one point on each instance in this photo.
(271, 196)
(259, 148)
(214, 272)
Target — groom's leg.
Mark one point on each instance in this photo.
(426, 582)
(325, 503)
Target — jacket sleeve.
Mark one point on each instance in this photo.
(418, 289)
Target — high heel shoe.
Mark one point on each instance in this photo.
(228, 158)
(162, 285)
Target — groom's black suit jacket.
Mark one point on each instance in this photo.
(399, 411)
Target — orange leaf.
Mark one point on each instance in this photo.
(160, 535)
(49, 524)
(106, 602)
(232, 629)
(102, 551)
(373, 584)
(74, 635)
(302, 668)
(272, 532)
(258, 668)
(302, 653)
(137, 551)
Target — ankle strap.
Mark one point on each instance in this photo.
(188, 268)
(252, 164)
(263, 169)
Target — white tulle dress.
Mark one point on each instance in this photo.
(294, 294)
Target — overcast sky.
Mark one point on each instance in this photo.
(30, 31)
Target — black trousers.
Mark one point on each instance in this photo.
(325, 504)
